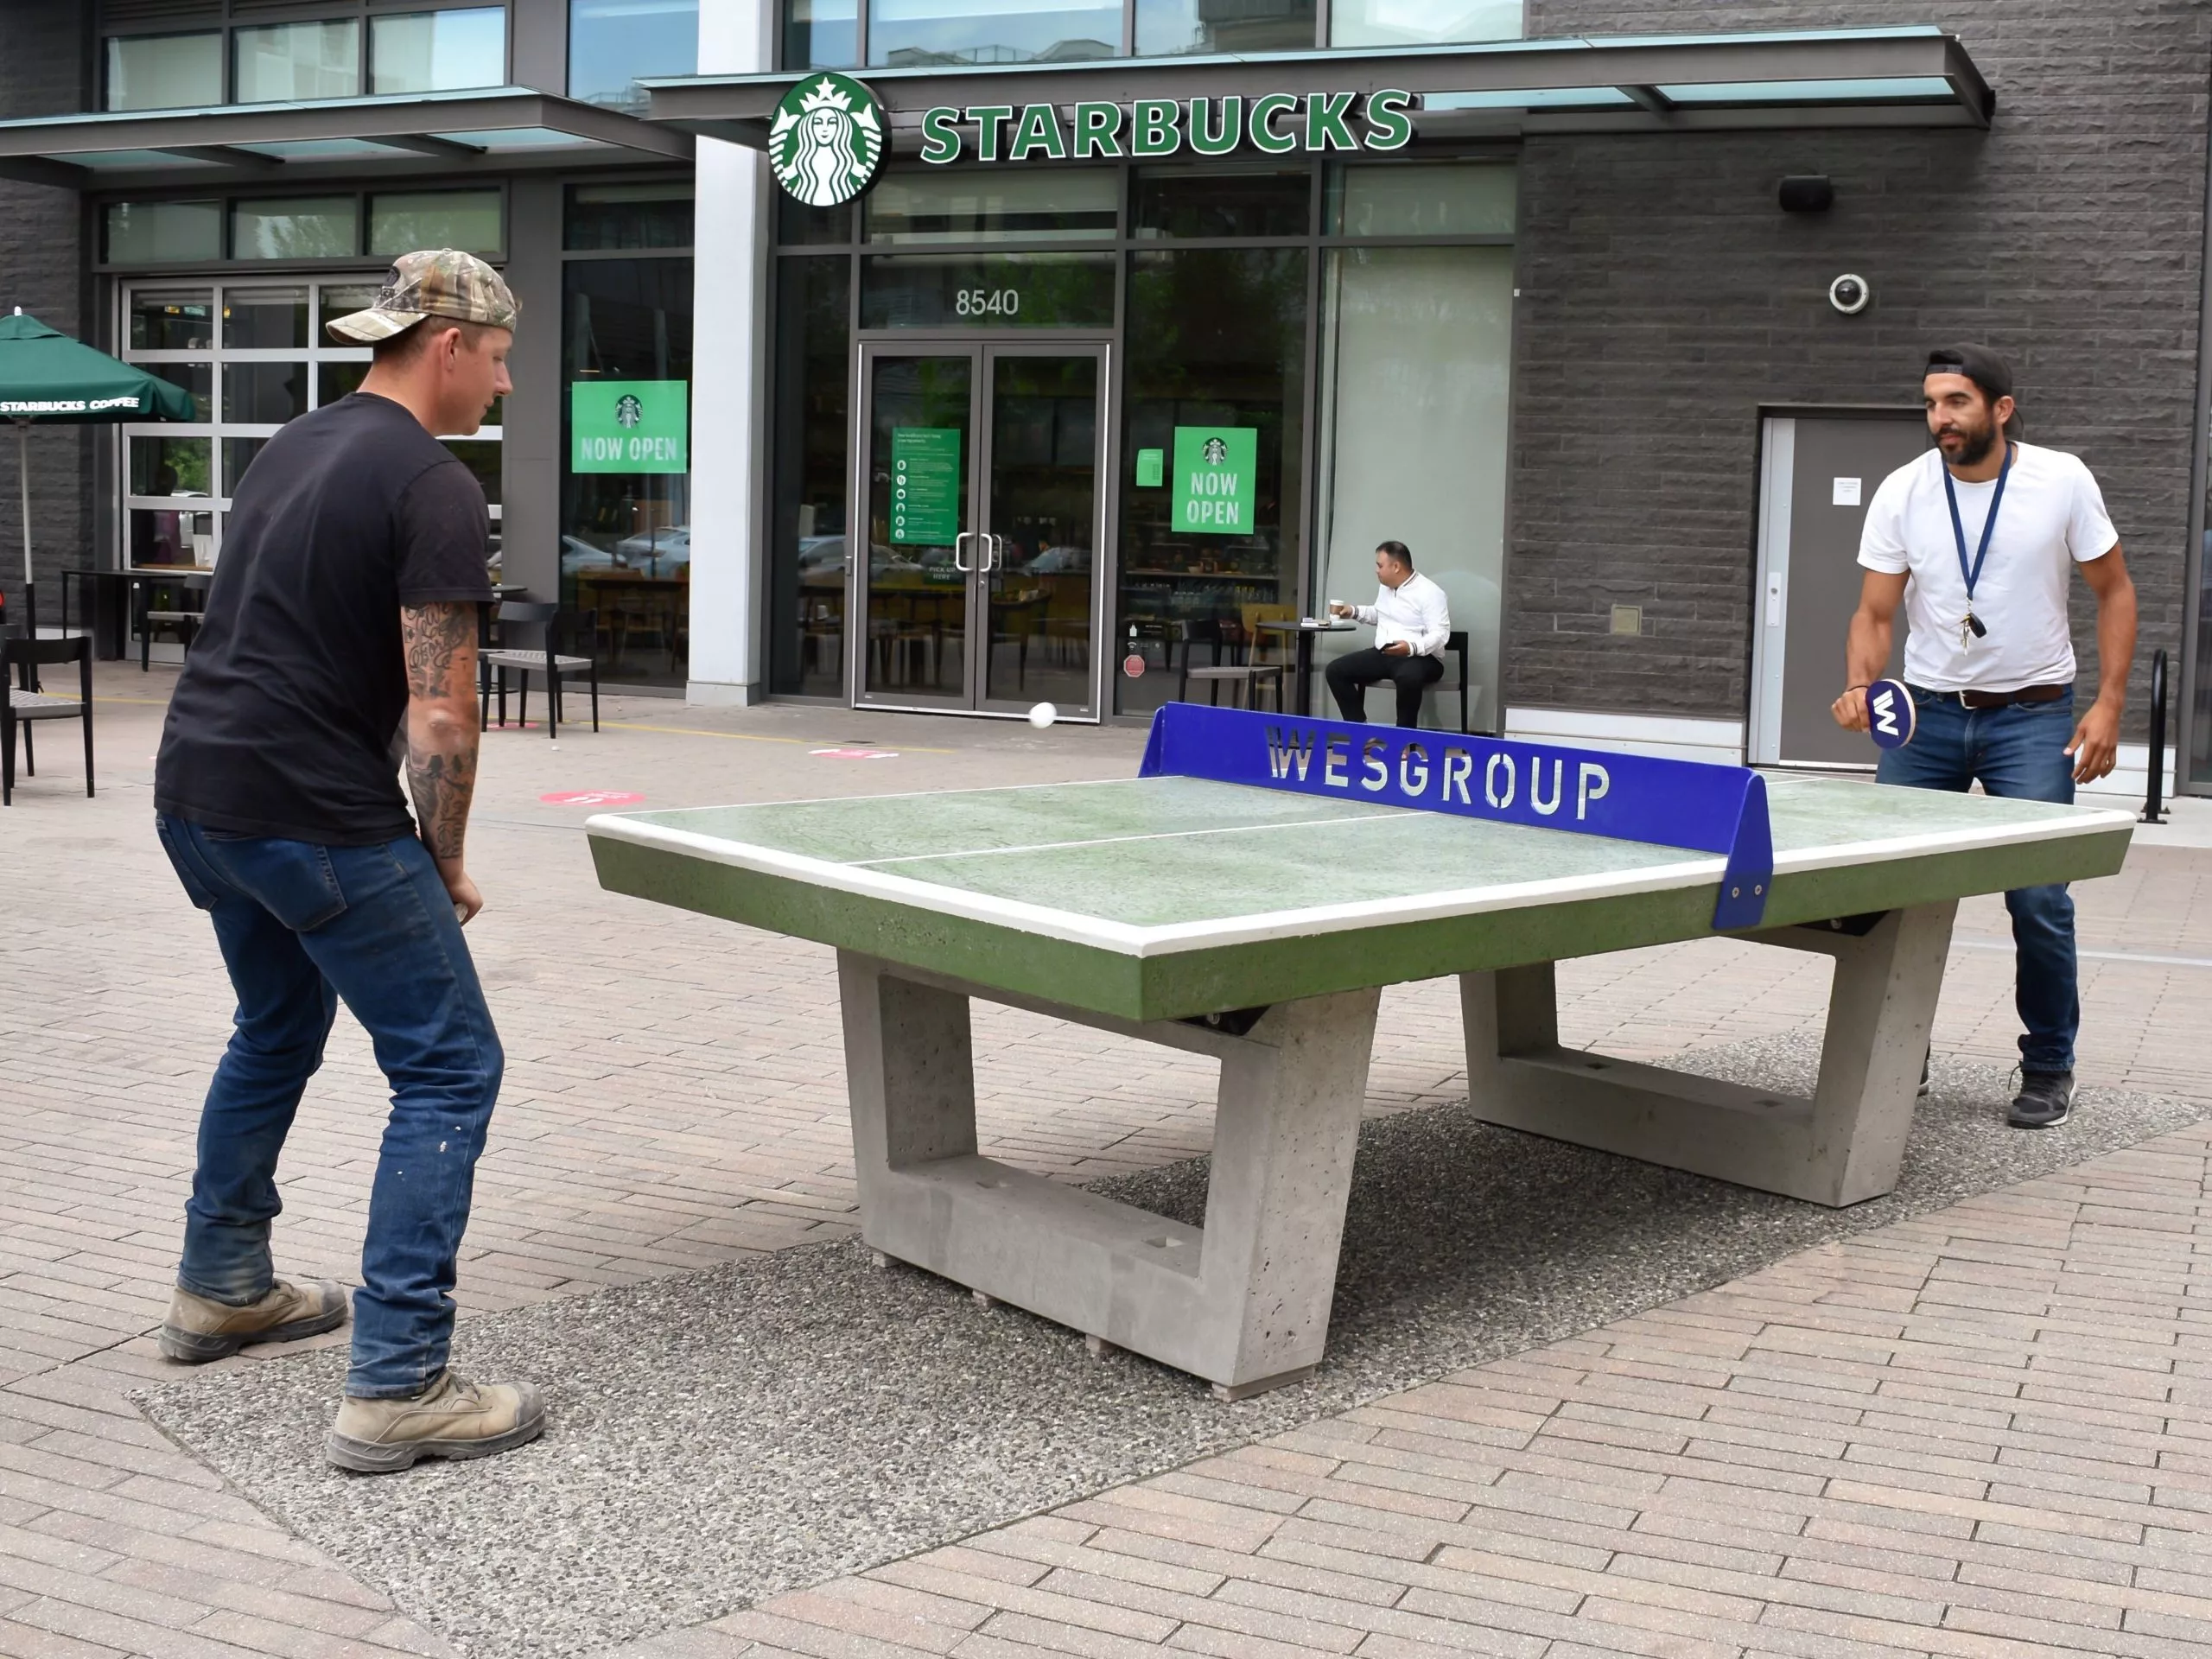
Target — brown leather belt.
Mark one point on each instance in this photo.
(1996, 699)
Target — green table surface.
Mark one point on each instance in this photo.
(1165, 897)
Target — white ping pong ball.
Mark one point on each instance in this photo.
(1043, 714)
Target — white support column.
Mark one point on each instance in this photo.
(728, 379)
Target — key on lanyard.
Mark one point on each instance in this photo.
(1972, 627)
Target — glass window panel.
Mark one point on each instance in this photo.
(1416, 22)
(161, 232)
(305, 227)
(1165, 28)
(165, 72)
(800, 225)
(168, 465)
(438, 52)
(625, 537)
(165, 536)
(821, 34)
(1207, 201)
(1416, 344)
(997, 205)
(806, 564)
(481, 457)
(263, 394)
(656, 215)
(913, 32)
(282, 62)
(1216, 337)
(987, 291)
(435, 219)
(1447, 199)
(264, 319)
(336, 300)
(237, 456)
(336, 380)
(197, 380)
(613, 44)
(172, 318)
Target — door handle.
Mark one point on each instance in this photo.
(994, 550)
(956, 541)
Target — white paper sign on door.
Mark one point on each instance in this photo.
(1846, 492)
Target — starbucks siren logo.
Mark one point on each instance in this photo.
(827, 141)
(1216, 452)
(628, 411)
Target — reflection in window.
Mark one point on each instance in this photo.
(164, 72)
(195, 380)
(821, 34)
(172, 318)
(1165, 28)
(1447, 199)
(263, 394)
(435, 219)
(995, 205)
(168, 466)
(264, 319)
(159, 233)
(1216, 337)
(911, 33)
(284, 62)
(625, 537)
(654, 215)
(613, 44)
(806, 564)
(1195, 201)
(438, 51)
(1419, 22)
(298, 227)
(237, 456)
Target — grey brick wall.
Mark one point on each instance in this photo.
(44, 70)
(1665, 297)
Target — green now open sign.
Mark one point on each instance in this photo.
(1214, 481)
(630, 426)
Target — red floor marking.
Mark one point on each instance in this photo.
(856, 754)
(591, 798)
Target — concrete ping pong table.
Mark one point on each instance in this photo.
(1247, 897)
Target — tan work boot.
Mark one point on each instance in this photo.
(198, 1329)
(452, 1418)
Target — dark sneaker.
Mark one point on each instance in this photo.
(452, 1418)
(1923, 1078)
(2045, 1100)
(198, 1329)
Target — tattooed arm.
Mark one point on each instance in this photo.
(440, 642)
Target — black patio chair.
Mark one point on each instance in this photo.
(546, 658)
(19, 661)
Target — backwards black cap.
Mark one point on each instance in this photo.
(1977, 363)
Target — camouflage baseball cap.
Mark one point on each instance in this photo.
(433, 282)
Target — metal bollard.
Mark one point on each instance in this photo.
(2154, 808)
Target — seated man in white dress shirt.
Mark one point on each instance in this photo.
(1411, 620)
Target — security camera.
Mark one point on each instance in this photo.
(1849, 293)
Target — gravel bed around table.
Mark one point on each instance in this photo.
(723, 1435)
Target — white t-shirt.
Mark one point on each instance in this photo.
(2053, 517)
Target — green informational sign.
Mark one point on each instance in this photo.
(924, 484)
(631, 426)
(1151, 469)
(1216, 480)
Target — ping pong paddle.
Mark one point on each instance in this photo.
(1890, 714)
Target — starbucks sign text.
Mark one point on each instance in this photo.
(1274, 123)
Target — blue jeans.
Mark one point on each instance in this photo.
(2018, 751)
(301, 925)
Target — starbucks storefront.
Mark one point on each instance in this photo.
(1076, 377)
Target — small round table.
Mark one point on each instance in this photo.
(1306, 628)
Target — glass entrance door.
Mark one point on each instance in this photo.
(983, 468)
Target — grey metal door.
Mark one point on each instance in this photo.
(1819, 478)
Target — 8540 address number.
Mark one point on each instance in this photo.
(987, 302)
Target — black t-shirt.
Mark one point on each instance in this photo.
(282, 723)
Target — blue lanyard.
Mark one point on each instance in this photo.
(1988, 524)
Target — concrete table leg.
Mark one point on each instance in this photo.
(1843, 1146)
(1243, 1302)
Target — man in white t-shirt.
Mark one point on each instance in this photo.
(1411, 621)
(1978, 539)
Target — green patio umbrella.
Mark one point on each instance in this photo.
(47, 377)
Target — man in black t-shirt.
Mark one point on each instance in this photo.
(341, 628)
